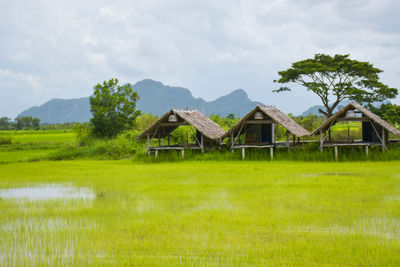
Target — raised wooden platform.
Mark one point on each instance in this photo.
(344, 144)
(178, 148)
(350, 144)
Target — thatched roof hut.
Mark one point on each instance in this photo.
(375, 131)
(274, 114)
(195, 118)
(208, 133)
(367, 116)
(257, 129)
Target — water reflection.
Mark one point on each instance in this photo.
(47, 192)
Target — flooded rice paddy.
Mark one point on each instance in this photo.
(47, 192)
(200, 214)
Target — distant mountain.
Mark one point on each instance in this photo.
(61, 110)
(155, 98)
(314, 109)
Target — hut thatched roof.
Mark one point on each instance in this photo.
(277, 116)
(341, 113)
(193, 117)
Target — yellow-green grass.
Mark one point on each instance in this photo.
(204, 213)
(28, 145)
(24, 155)
(40, 136)
(345, 125)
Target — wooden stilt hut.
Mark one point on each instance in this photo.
(257, 130)
(374, 130)
(207, 133)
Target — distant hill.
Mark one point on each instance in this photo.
(314, 109)
(61, 110)
(155, 98)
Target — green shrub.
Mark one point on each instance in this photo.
(122, 146)
(307, 152)
(83, 132)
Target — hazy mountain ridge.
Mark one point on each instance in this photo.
(155, 98)
(315, 109)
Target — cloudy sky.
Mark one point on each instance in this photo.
(60, 49)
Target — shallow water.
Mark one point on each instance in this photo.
(47, 192)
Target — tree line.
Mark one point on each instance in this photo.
(20, 123)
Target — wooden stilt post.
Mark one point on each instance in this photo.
(156, 153)
(321, 141)
(271, 152)
(183, 153)
(202, 143)
(273, 133)
(348, 133)
(148, 144)
(243, 153)
(169, 141)
(366, 150)
(383, 139)
(232, 143)
(336, 153)
(288, 140)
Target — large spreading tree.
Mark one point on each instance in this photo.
(113, 107)
(337, 78)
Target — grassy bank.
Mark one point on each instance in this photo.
(204, 213)
(22, 146)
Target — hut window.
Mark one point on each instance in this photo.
(172, 118)
(350, 114)
(258, 115)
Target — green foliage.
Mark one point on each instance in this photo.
(389, 112)
(27, 123)
(336, 78)
(61, 145)
(225, 122)
(306, 153)
(113, 108)
(5, 123)
(183, 135)
(59, 126)
(83, 132)
(144, 121)
(309, 122)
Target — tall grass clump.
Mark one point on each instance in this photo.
(307, 152)
(89, 146)
(5, 140)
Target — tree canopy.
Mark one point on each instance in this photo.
(113, 107)
(337, 78)
(389, 112)
(27, 122)
(5, 123)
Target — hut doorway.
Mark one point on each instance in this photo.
(259, 133)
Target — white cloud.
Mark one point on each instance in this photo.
(9, 78)
(61, 49)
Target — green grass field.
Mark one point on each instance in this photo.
(208, 210)
(41, 136)
(203, 213)
(33, 145)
